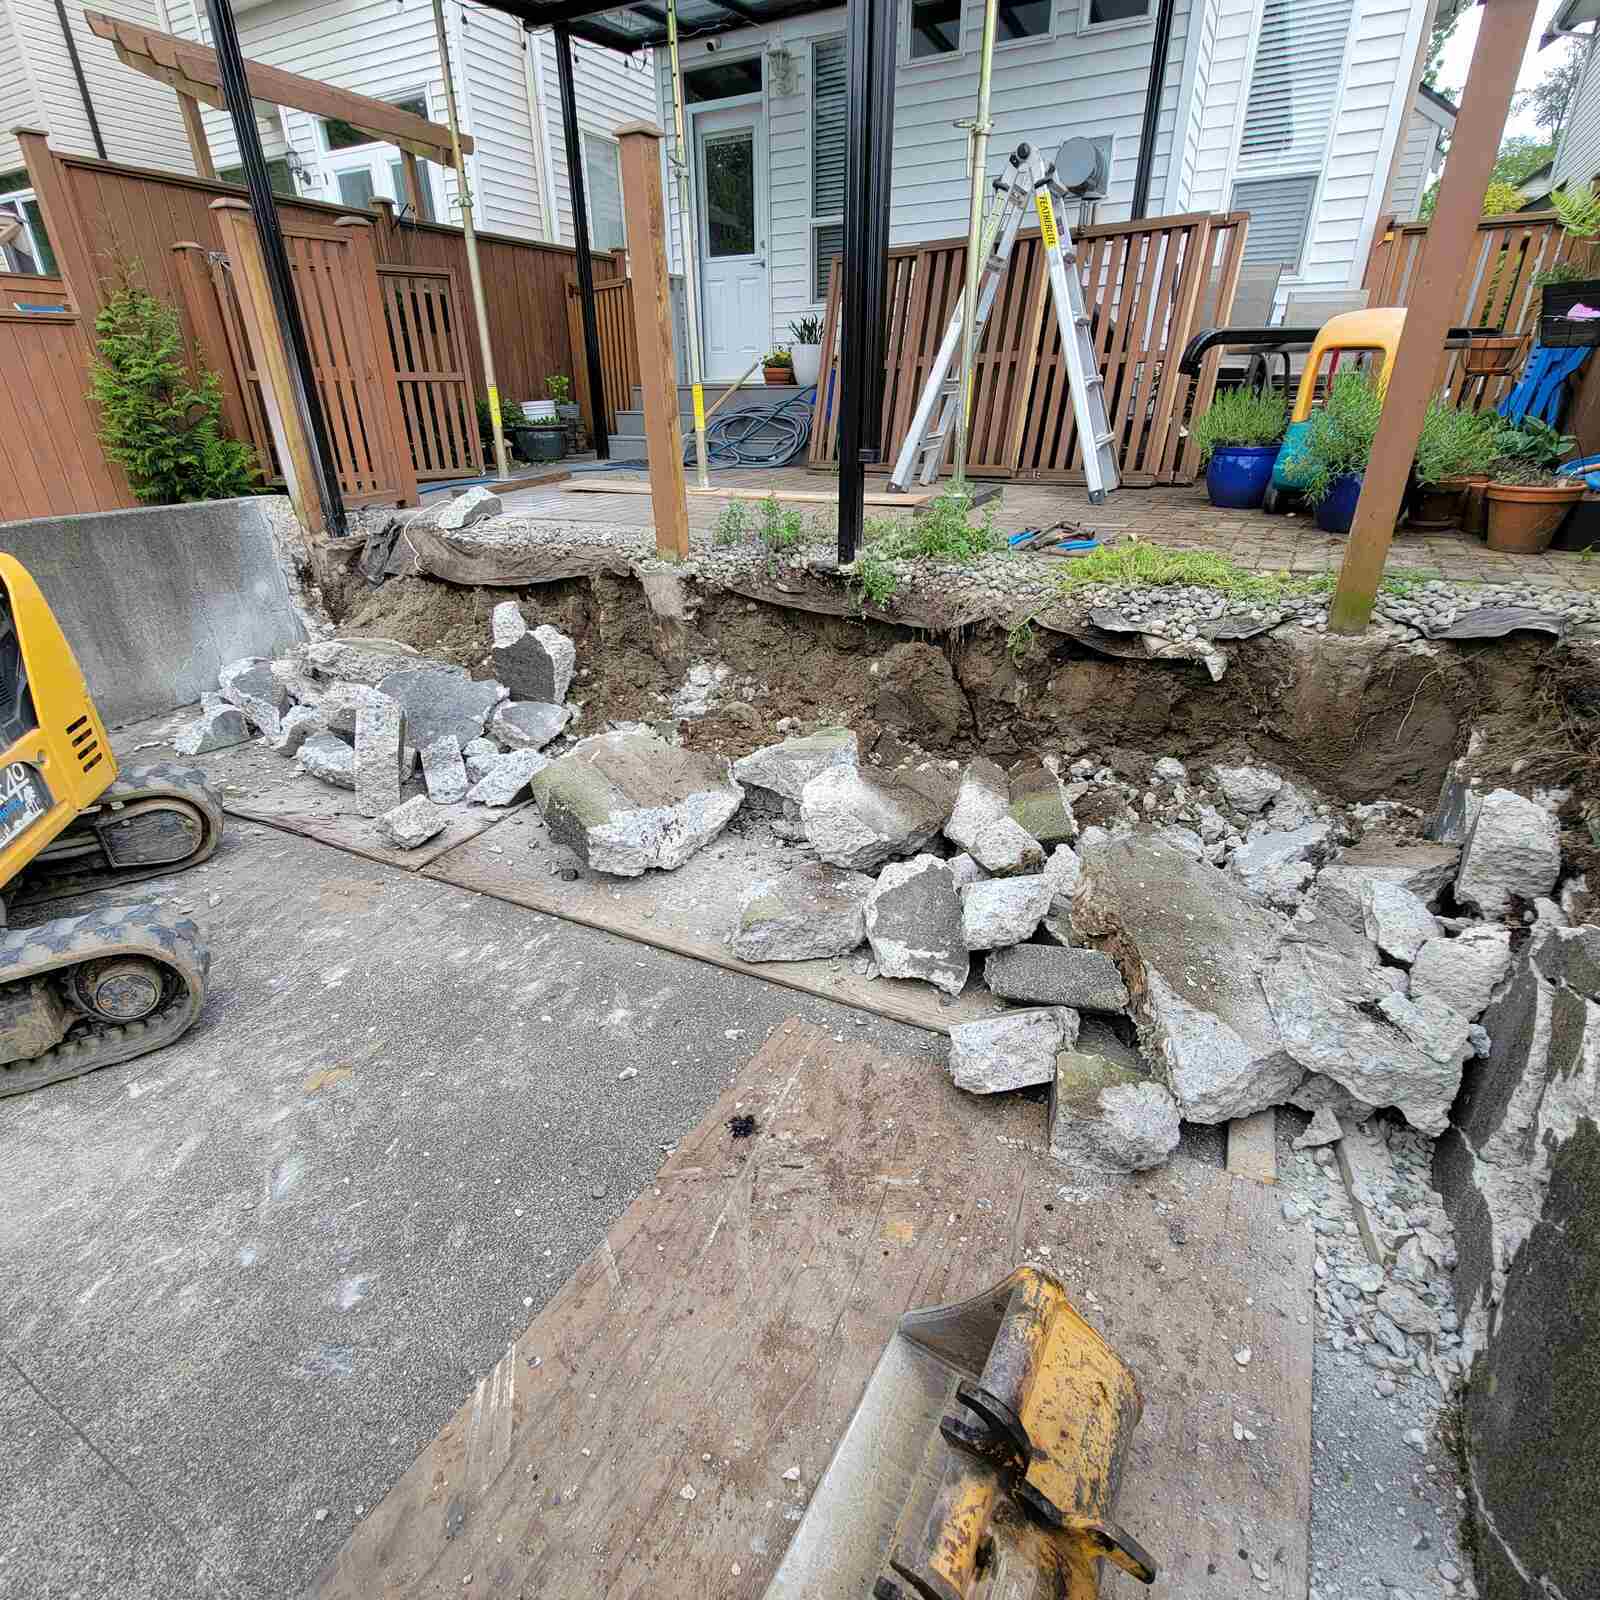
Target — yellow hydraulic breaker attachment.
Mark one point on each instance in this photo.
(982, 1463)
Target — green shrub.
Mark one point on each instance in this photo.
(162, 429)
(1240, 417)
(1529, 452)
(780, 526)
(1338, 438)
(1455, 443)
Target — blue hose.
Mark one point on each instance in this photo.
(770, 437)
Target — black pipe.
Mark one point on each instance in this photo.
(1264, 341)
(83, 83)
(302, 377)
(1160, 49)
(869, 156)
(580, 239)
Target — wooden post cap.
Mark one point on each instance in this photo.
(229, 204)
(643, 130)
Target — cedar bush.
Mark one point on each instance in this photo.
(163, 429)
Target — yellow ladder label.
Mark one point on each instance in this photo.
(699, 409)
(1047, 218)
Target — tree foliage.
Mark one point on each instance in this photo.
(1520, 155)
(1548, 99)
(1435, 62)
(163, 429)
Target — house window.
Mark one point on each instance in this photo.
(1294, 86)
(933, 28)
(1280, 219)
(278, 175)
(830, 116)
(602, 180)
(341, 135)
(1022, 19)
(30, 250)
(722, 80)
(359, 169)
(1103, 13)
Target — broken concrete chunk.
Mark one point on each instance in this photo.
(1277, 866)
(328, 757)
(1247, 789)
(411, 823)
(1014, 1050)
(1191, 945)
(1415, 864)
(965, 870)
(1002, 911)
(809, 912)
(1512, 852)
(380, 738)
(479, 756)
(1004, 847)
(785, 769)
(629, 802)
(507, 777)
(914, 923)
(1570, 956)
(462, 510)
(1396, 920)
(1039, 804)
(527, 724)
(218, 726)
(443, 770)
(338, 703)
(1459, 798)
(296, 725)
(983, 796)
(858, 818)
(1063, 869)
(1087, 980)
(251, 685)
(368, 661)
(1322, 1129)
(533, 663)
(1317, 1093)
(1332, 1021)
(439, 703)
(1106, 1114)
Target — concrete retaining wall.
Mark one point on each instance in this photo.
(1520, 1173)
(154, 601)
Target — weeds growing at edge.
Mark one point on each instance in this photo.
(945, 531)
(1138, 565)
(871, 577)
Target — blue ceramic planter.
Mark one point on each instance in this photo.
(1337, 510)
(1238, 475)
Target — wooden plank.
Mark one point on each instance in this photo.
(724, 1331)
(1253, 1146)
(194, 129)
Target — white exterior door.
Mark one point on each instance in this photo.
(731, 205)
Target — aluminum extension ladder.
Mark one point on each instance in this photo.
(1032, 184)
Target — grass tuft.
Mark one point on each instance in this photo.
(1141, 565)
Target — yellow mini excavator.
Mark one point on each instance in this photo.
(82, 992)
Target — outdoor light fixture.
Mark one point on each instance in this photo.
(782, 73)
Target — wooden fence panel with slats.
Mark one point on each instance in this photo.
(1143, 285)
(427, 339)
(1498, 290)
(619, 348)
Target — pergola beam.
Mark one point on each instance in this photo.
(191, 69)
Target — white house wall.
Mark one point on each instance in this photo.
(139, 118)
(1419, 157)
(1199, 56)
(1577, 157)
(501, 123)
(18, 106)
(1043, 91)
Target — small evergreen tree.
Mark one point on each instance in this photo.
(162, 429)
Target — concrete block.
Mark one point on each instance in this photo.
(858, 818)
(296, 725)
(1396, 920)
(1247, 789)
(507, 777)
(1002, 911)
(443, 770)
(437, 703)
(1015, 1050)
(338, 703)
(527, 724)
(479, 755)
(411, 823)
(1276, 866)
(807, 913)
(1039, 804)
(250, 684)
(533, 663)
(1462, 972)
(914, 924)
(380, 736)
(474, 505)
(367, 661)
(1512, 852)
(328, 757)
(1005, 847)
(218, 726)
(784, 769)
(1050, 974)
(982, 796)
(1106, 1113)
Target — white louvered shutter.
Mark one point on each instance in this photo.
(1294, 85)
(830, 111)
(1280, 216)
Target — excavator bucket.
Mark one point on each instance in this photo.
(982, 1463)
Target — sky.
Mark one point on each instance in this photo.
(1458, 53)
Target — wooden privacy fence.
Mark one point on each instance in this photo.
(619, 347)
(1144, 285)
(1498, 292)
(428, 340)
(51, 463)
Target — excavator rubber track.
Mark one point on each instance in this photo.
(178, 822)
(127, 936)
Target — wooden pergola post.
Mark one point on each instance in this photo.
(1433, 302)
(194, 127)
(652, 318)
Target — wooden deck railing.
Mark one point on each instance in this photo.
(1146, 284)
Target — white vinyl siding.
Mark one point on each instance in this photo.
(138, 117)
(1419, 157)
(493, 90)
(18, 107)
(1577, 158)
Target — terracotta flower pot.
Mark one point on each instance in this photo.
(1523, 517)
(778, 374)
(1474, 503)
(1438, 506)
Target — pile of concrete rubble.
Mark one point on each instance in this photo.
(1199, 948)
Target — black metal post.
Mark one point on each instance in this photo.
(869, 156)
(580, 239)
(302, 379)
(83, 84)
(1160, 49)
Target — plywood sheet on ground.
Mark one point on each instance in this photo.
(260, 786)
(725, 1330)
(691, 911)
